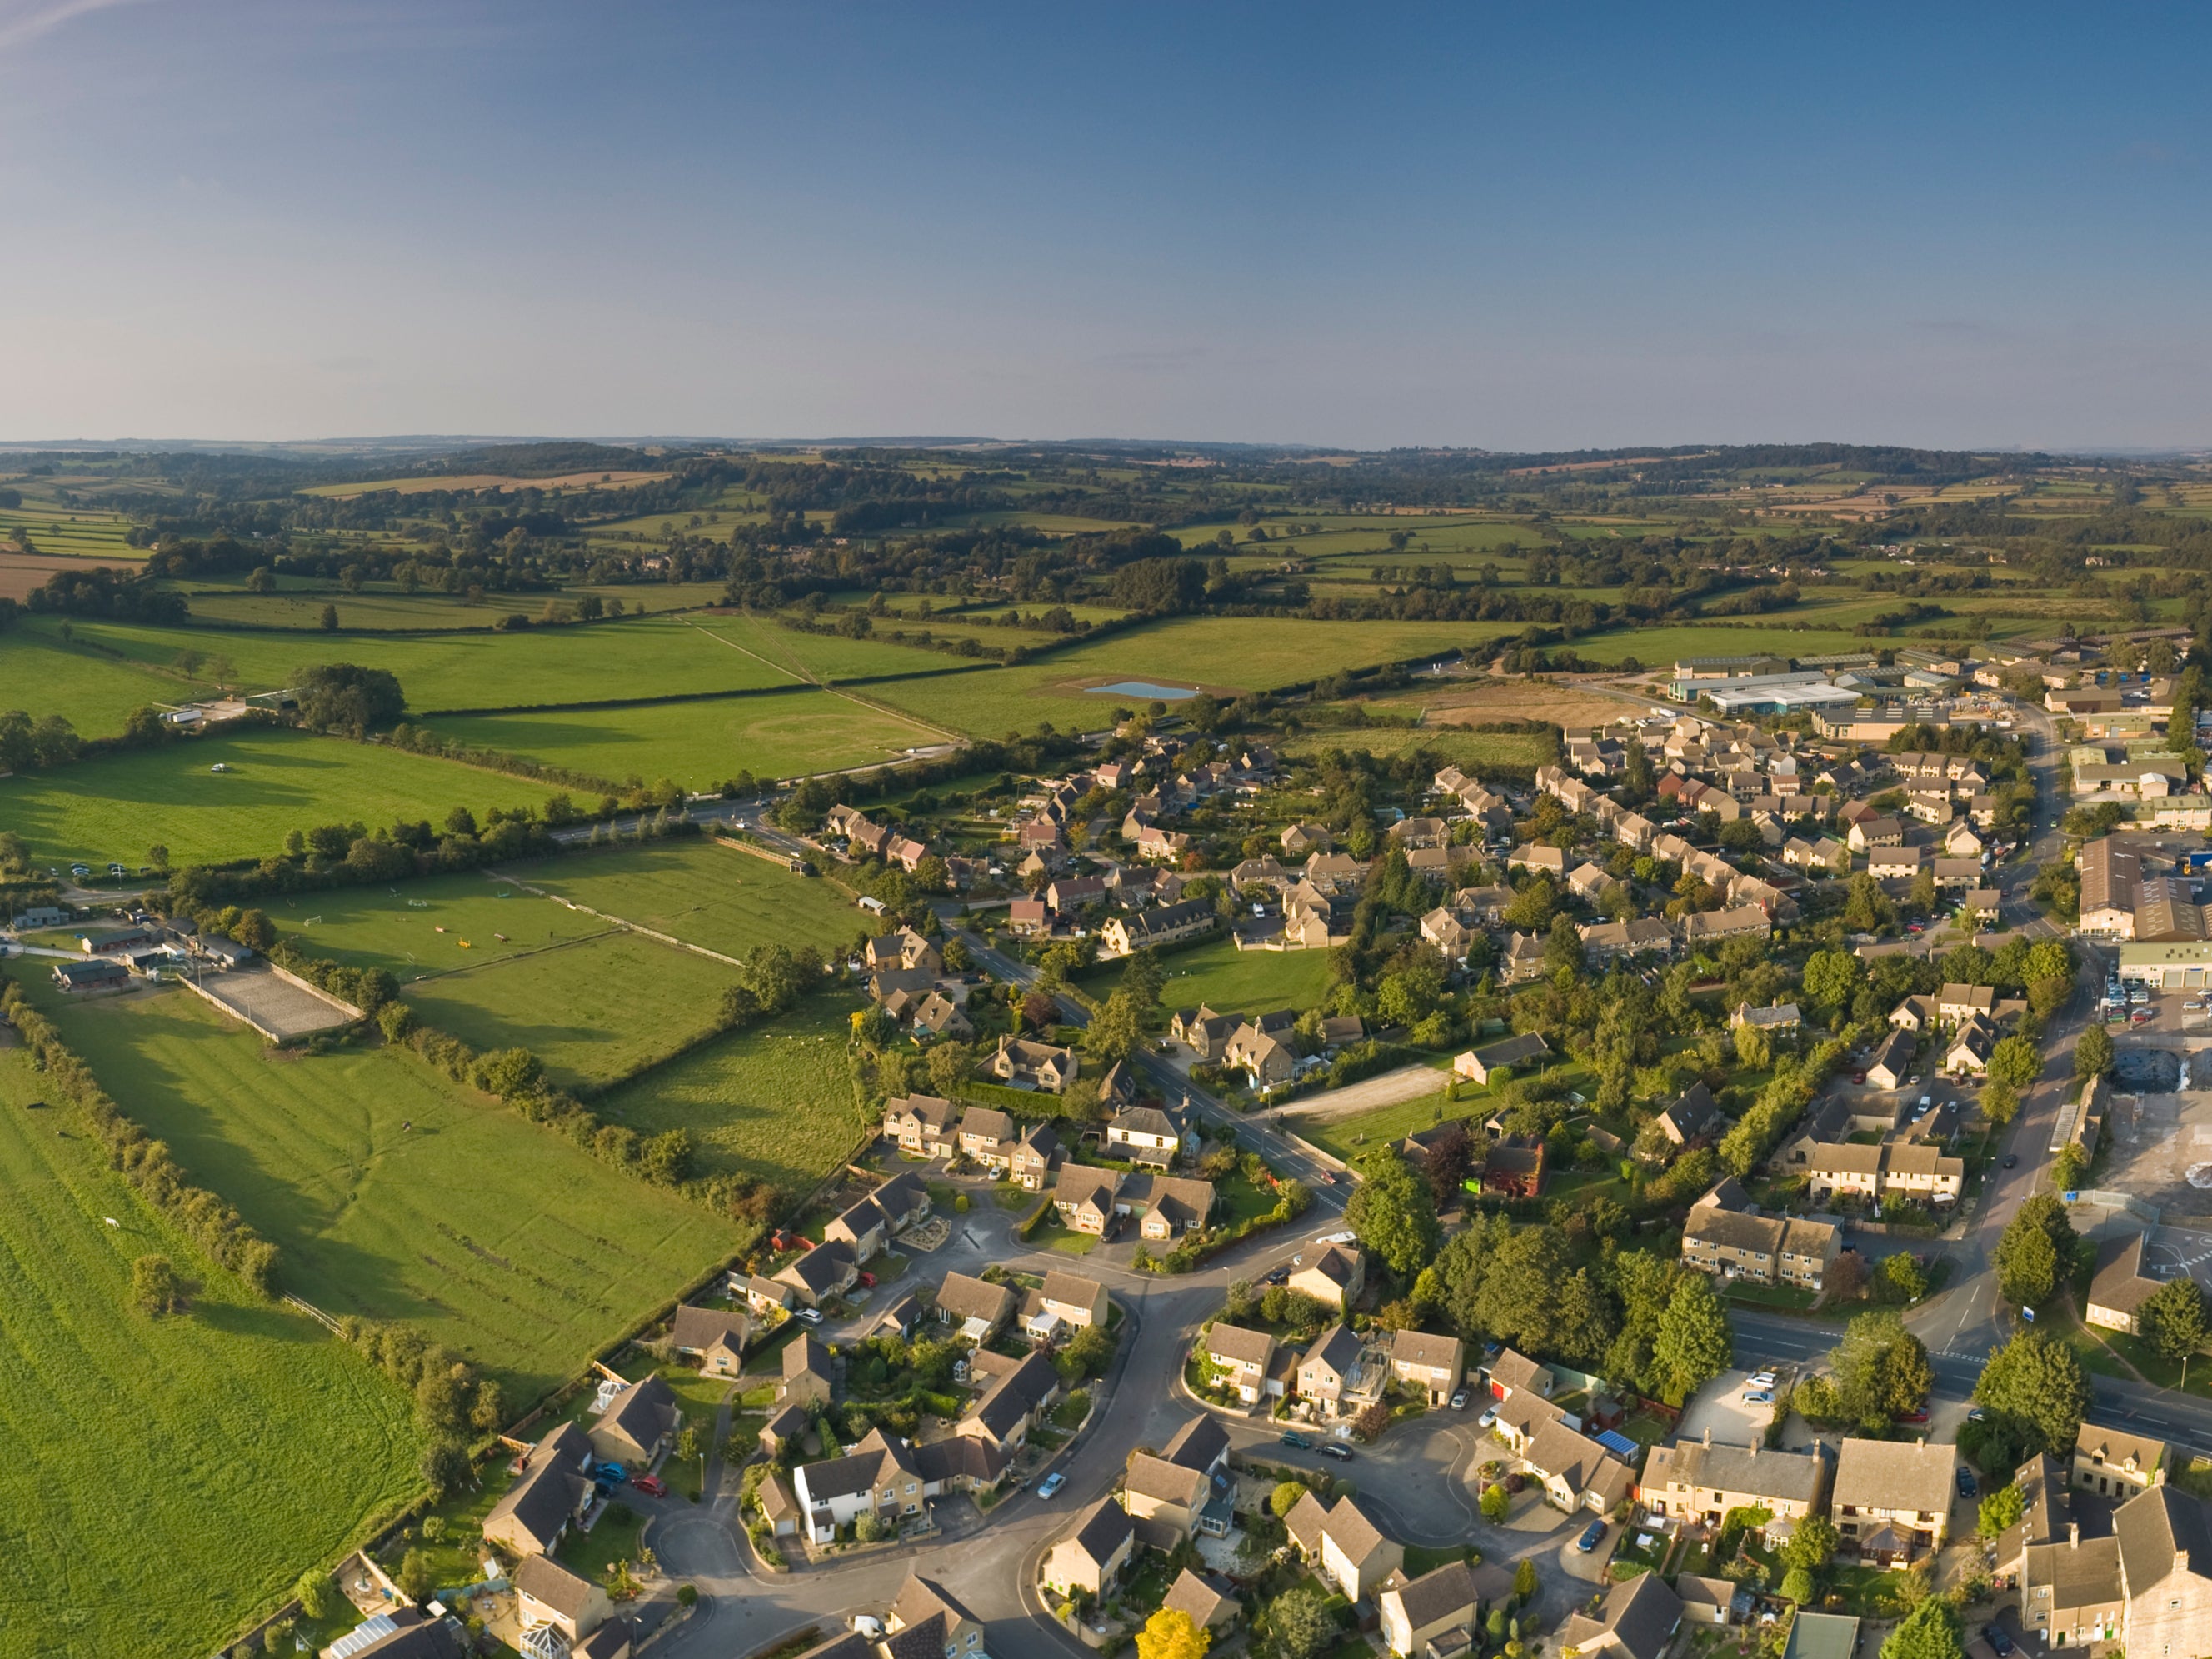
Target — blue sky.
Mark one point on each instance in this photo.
(1517, 227)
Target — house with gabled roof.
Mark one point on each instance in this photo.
(808, 1372)
(1246, 1357)
(1011, 1405)
(637, 1422)
(1334, 1277)
(1343, 1545)
(823, 1273)
(1330, 1374)
(923, 1125)
(975, 1309)
(1094, 1554)
(1143, 1134)
(712, 1337)
(1634, 1618)
(535, 1513)
(1435, 1364)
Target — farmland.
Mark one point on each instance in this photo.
(772, 1104)
(116, 806)
(711, 895)
(1452, 746)
(593, 1010)
(700, 744)
(42, 675)
(206, 1420)
(396, 1194)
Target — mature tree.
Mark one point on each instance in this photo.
(1797, 1586)
(1496, 1503)
(1524, 1580)
(1285, 1495)
(2002, 1508)
(2014, 1061)
(2172, 1318)
(1930, 1630)
(1170, 1634)
(951, 1065)
(319, 1596)
(2000, 1102)
(1693, 1344)
(2035, 1249)
(1393, 1213)
(1881, 1370)
(1114, 1030)
(1812, 1545)
(154, 1286)
(1902, 1273)
(2036, 1382)
(1303, 1624)
(342, 696)
(417, 1576)
(2093, 1053)
(1832, 978)
(1520, 1285)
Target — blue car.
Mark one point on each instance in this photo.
(1592, 1536)
(1051, 1483)
(614, 1472)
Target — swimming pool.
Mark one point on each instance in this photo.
(1144, 689)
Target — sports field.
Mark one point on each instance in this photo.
(165, 1477)
(592, 1011)
(774, 1103)
(699, 744)
(694, 890)
(428, 926)
(394, 1193)
(114, 807)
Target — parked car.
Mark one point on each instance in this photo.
(1052, 1483)
(1920, 1416)
(868, 1279)
(1994, 1636)
(651, 1485)
(1297, 1442)
(1966, 1486)
(811, 1316)
(1976, 1414)
(1761, 1378)
(1759, 1396)
(1342, 1453)
(1858, 1076)
(1592, 1536)
(614, 1472)
(1459, 1401)
(1488, 1417)
(2011, 1160)
(1279, 1276)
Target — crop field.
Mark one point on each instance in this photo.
(653, 657)
(706, 894)
(115, 807)
(701, 743)
(396, 1194)
(42, 675)
(72, 532)
(1232, 981)
(592, 1011)
(164, 1477)
(773, 1103)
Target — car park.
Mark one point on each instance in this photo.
(1342, 1453)
(1296, 1440)
(1592, 1536)
(1051, 1484)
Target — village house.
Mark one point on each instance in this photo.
(2121, 1286)
(922, 1125)
(1435, 1613)
(809, 1373)
(1332, 1376)
(1245, 1358)
(1093, 1555)
(1432, 1365)
(1479, 1065)
(1334, 1277)
(1636, 1618)
(1726, 1235)
(1892, 1499)
(1342, 1544)
(1609, 941)
(988, 1135)
(1143, 1134)
(714, 1338)
(1703, 1482)
(869, 1225)
(1576, 1471)
(1022, 1064)
(1164, 924)
(1064, 1302)
(1090, 1199)
(637, 1423)
(550, 1495)
(977, 1309)
(1018, 1394)
(821, 1274)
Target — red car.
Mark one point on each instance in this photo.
(1920, 1416)
(868, 1279)
(651, 1485)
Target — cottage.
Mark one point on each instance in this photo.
(1704, 927)
(1725, 1234)
(712, 1337)
(1477, 1065)
(1703, 1482)
(1165, 924)
(1608, 941)
(1143, 1134)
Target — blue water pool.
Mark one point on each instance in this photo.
(1144, 689)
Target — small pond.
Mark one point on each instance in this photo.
(1144, 689)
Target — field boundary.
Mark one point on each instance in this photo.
(617, 921)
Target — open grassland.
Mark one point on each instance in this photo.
(772, 1103)
(1227, 654)
(651, 657)
(1658, 649)
(165, 1478)
(71, 531)
(592, 1011)
(428, 927)
(396, 1194)
(725, 900)
(822, 656)
(698, 744)
(1451, 747)
(42, 674)
(1232, 981)
(117, 806)
(386, 607)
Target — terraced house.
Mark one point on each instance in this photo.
(1703, 1482)
(1725, 1234)
(1893, 1498)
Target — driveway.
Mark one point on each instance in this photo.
(1718, 1406)
(1407, 1083)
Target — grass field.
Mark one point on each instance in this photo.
(41, 675)
(115, 807)
(1352, 1138)
(1658, 647)
(774, 1102)
(1232, 981)
(419, 926)
(72, 530)
(396, 1194)
(298, 604)
(592, 1011)
(698, 744)
(822, 656)
(707, 894)
(1457, 748)
(164, 1478)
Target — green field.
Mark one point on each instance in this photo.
(42, 675)
(707, 894)
(115, 807)
(298, 604)
(165, 1478)
(699, 744)
(1352, 1138)
(1456, 745)
(1657, 648)
(419, 926)
(394, 1193)
(823, 656)
(592, 1011)
(774, 1103)
(1231, 980)
(72, 532)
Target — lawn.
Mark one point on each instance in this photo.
(395, 1193)
(698, 744)
(115, 807)
(1231, 980)
(167, 1477)
(653, 657)
(704, 894)
(592, 1011)
(772, 1103)
(1352, 1138)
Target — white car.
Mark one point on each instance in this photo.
(868, 1624)
(1487, 1418)
(1760, 1380)
(811, 1316)
(1459, 1401)
(1759, 1396)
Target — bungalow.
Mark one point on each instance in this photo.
(1478, 1064)
(977, 1309)
(1164, 924)
(763, 1295)
(922, 1125)
(1514, 1168)
(100, 975)
(714, 1337)
(533, 1515)
(637, 1422)
(1333, 1279)
(824, 1272)
(2122, 1285)
(1092, 1557)
(1045, 1066)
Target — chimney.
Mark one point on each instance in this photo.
(2074, 1534)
